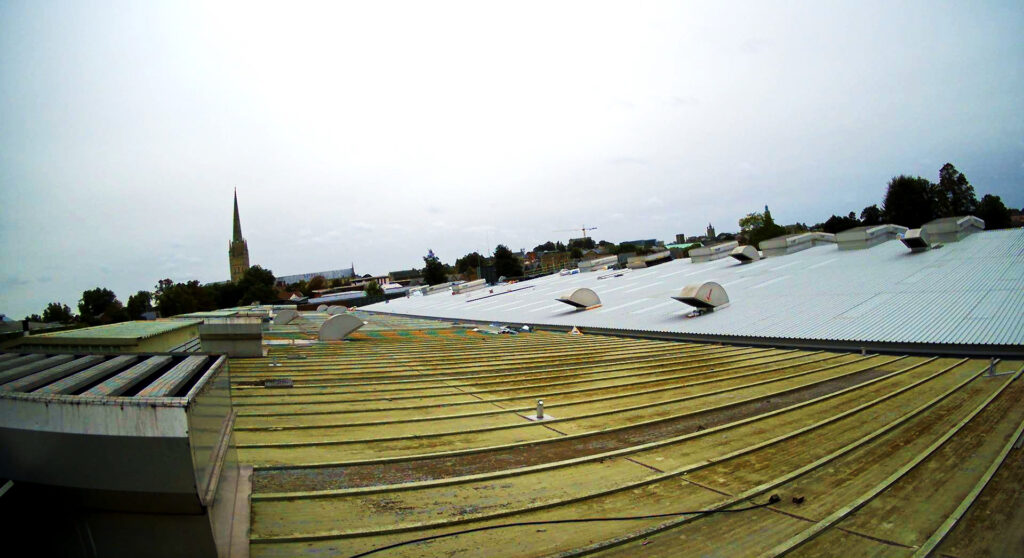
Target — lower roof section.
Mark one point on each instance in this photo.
(969, 293)
(435, 445)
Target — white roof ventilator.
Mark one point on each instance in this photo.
(705, 297)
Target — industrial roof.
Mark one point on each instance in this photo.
(123, 332)
(100, 378)
(425, 440)
(304, 330)
(969, 292)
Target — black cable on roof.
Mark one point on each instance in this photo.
(773, 499)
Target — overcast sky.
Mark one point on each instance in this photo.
(370, 132)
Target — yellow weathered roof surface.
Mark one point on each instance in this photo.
(403, 434)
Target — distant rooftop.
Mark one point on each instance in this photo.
(968, 293)
(331, 274)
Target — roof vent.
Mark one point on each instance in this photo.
(321, 308)
(598, 264)
(714, 252)
(791, 243)
(915, 240)
(335, 310)
(285, 316)
(468, 286)
(705, 297)
(649, 260)
(339, 327)
(952, 229)
(745, 254)
(582, 299)
(866, 237)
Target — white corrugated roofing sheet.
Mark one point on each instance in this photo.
(968, 292)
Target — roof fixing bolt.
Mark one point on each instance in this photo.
(540, 409)
(863, 351)
(991, 367)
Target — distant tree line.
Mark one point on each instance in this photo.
(913, 201)
(101, 306)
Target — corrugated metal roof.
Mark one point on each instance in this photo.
(93, 378)
(427, 445)
(125, 330)
(968, 292)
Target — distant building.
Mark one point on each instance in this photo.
(1017, 217)
(680, 238)
(681, 250)
(711, 231)
(648, 243)
(345, 272)
(555, 259)
(238, 250)
(407, 277)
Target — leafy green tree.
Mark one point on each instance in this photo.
(908, 201)
(871, 215)
(433, 269)
(575, 252)
(751, 222)
(138, 304)
(257, 285)
(995, 214)
(506, 263)
(546, 247)
(583, 243)
(161, 286)
(34, 318)
(559, 247)
(626, 248)
(317, 283)
(836, 224)
(299, 286)
(56, 312)
(184, 298)
(100, 306)
(953, 195)
(758, 227)
(469, 262)
(223, 295)
(373, 290)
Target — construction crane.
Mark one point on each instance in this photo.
(583, 229)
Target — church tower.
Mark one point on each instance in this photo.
(238, 250)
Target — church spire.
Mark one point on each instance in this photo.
(238, 251)
(238, 224)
